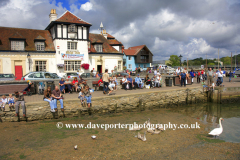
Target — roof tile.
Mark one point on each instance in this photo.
(107, 48)
(71, 18)
(131, 51)
(28, 34)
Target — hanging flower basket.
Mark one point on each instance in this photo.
(60, 65)
(85, 66)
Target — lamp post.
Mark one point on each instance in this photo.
(180, 61)
(29, 60)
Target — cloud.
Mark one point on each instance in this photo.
(187, 27)
(87, 6)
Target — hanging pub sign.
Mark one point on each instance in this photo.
(72, 56)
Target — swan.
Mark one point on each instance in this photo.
(133, 128)
(148, 123)
(142, 137)
(160, 127)
(153, 131)
(217, 131)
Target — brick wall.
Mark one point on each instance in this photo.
(10, 88)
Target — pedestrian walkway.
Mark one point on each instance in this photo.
(38, 98)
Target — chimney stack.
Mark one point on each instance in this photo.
(104, 33)
(53, 15)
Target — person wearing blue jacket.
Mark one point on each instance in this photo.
(139, 82)
(192, 75)
(183, 78)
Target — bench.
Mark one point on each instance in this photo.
(95, 84)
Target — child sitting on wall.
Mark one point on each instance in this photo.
(204, 84)
(11, 101)
(4, 101)
(81, 96)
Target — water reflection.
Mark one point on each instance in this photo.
(210, 113)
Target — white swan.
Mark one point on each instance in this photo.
(148, 122)
(133, 128)
(153, 131)
(142, 137)
(217, 131)
(160, 127)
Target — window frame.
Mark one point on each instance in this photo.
(98, 47)
(72, 28)
(13, 46)
(41, 66)
(42, 44)
(119, 68)
(129, 66)
(129, 58)
(70, 46)
(72, 66)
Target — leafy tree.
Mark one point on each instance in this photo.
(174, 60)
(226, 60)
(211, 64)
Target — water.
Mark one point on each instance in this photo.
(210, 113)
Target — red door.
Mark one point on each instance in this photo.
(18, 72)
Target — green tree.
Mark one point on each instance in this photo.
(175, 60)
(211, 64)
(226, 60)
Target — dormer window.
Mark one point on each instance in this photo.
(40, 46)
(98, 47)
(17, 45)
(72, 28)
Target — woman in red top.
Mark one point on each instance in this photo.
(75, 83)
(100, 81)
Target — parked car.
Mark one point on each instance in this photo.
(120, 74)
(72, 75)
(39, 76)
(56, 76)
(7, 77)
(85, 75)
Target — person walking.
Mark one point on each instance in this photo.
(183, 78)
(198, 77)
(105, 78)
(230, 76)
(19, 99)
(220, 75)
(210, 76)
(192, 75)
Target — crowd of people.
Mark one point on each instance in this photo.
(11, 101)
(202, 76)
(109, 84)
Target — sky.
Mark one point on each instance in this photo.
(191, 28)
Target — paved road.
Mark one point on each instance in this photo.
(38, 98)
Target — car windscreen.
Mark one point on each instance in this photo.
(49, 75)
(6, 76)
(55, 75)
(72, 74)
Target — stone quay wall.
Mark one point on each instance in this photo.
(110, 105)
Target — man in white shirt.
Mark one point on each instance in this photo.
(220, 75)
(155, 72)
(111, 85)
(124, 82)
(178, 71)
(105, 78)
